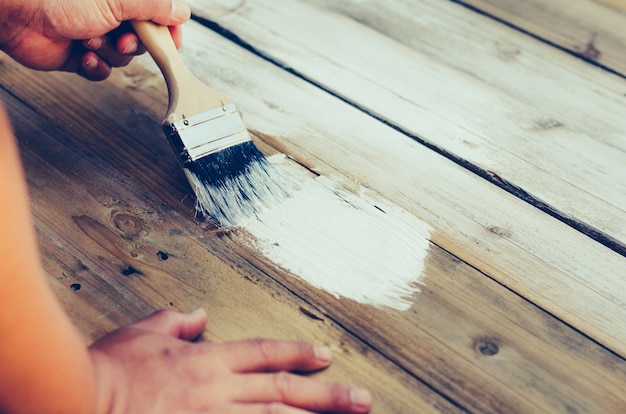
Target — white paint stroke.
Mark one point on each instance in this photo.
(361, 247)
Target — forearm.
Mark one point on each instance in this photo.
(45, 364)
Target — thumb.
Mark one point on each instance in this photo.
(185, 326)
(165, 12)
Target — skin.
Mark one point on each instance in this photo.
(84, 37)
(151, 366)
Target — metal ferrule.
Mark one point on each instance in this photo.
(206, 133)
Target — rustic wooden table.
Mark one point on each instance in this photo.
(460, 238)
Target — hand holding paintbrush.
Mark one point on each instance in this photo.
(231, 178)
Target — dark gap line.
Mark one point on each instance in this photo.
(361, 339)
(487, 175)
(18, 98)
(398, 364)
(539, 38)
(589, 231)
(525, 299)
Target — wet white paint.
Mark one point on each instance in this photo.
(359, 247)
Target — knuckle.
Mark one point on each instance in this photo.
(265, 350)
(339, 392)
(275, 408)
(283, 385)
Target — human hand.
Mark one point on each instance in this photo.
(86, 37)
(151, 367)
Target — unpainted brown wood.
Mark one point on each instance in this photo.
(486, 347)
(109, 210)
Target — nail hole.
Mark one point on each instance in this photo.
(488, 348)
(130, 271)
(487, 345)
(75, 286)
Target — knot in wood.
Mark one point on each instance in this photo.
(128, 224)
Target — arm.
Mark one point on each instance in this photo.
(46, 368)
(44, 365)
(40, 349)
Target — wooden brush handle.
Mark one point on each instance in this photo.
(187, 94)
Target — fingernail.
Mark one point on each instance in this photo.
(91, 62)
(323, 353)
(180, 10)
(198, 312)
(131, 48)
(94, 44)
(360, 398)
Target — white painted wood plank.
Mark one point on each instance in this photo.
(535, 117)
(539, 257)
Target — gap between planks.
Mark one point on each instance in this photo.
(389, 336)
(588, 55)
(499, 180)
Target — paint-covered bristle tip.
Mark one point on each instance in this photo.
(234, 184)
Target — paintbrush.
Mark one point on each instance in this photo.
(231, 178)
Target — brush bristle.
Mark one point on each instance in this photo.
(233, 184)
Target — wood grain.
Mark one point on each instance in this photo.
(112, 230)
(470, 220)
(110, 203)
(592, 29)
(538, 122)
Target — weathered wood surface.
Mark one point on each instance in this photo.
(106, 196)
(473, 210)
(530, 118)
(592, 29)
(518, 312)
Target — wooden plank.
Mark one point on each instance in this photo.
(537, 121)
(324, 135)
(120, 231)
(482, 346)
(593, 29)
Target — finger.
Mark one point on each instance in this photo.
(129, 44)
(126, 40)
(185, 326)
(301, 392)
(274, 408)
(177, 35)
(165, 12)
(107, 51)
(266, 355)
(93, 68)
